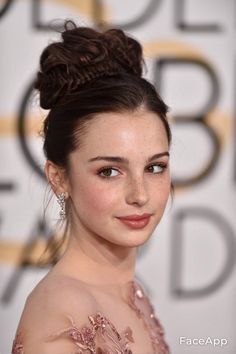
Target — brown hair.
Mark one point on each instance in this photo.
(90, 72)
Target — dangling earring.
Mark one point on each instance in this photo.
(61, 199)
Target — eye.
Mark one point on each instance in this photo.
(108, 172)
(157, 168)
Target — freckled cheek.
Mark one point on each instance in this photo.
(97, 199)
(160, 194)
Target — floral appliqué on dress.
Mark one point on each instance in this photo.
(17, 347)
(139, 301)
(101, 337)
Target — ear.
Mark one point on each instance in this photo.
(56, 177)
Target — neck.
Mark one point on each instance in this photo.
(95, 261)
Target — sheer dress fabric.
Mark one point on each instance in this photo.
(100, 336)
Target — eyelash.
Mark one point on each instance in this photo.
(162, 165)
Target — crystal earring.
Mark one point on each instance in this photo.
(61, 199)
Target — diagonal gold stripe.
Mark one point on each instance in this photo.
(86, 7)
(11, 252)
(221, 123)
(8, 125)
(173, 48)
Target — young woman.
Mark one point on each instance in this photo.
(107, 147)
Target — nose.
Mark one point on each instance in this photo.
(137, 192)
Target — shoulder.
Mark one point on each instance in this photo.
(58, 294)
(57, 302)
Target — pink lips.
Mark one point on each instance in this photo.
(136, 221)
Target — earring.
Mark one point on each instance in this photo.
(61, 199)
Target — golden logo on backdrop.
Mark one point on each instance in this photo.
(218, 120)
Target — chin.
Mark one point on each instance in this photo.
(132, 239)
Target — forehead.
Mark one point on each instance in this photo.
(125, 132)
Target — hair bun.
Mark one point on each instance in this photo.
(84, 54)
(124, 50)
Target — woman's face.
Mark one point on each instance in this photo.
(121, 169)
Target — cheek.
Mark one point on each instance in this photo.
(161, 193)
(94, 198)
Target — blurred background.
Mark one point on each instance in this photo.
(188, 266)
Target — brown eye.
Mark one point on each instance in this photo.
(107, 172)
(156, 168)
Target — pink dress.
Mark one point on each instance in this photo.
(99, 335)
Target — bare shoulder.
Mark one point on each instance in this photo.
(60, 285)
(48, 307)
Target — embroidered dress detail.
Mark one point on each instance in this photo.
(100, 336)
(17, 347)
(140, 303)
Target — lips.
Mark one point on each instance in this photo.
(135, 217)
(135, 221)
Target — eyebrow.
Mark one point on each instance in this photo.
(124, 160)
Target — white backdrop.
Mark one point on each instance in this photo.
(188, 266)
